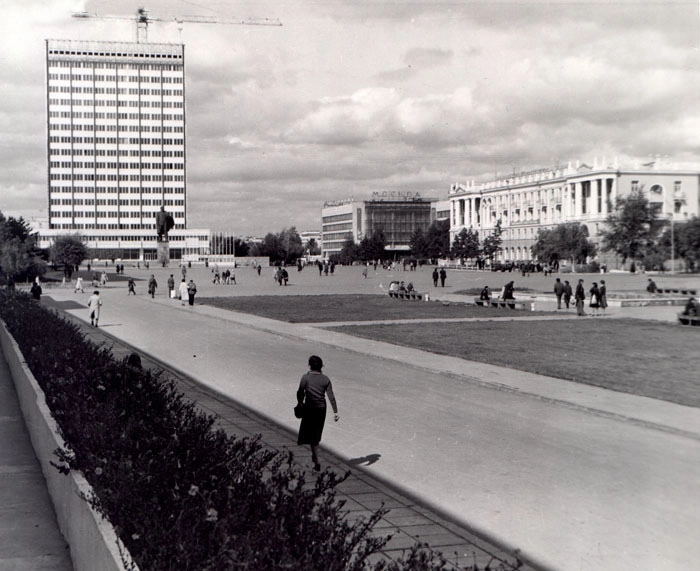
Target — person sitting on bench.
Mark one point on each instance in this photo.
(485, 294)
(691, 308)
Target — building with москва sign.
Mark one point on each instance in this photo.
(116, 147)
(398, 214)
(541, 199)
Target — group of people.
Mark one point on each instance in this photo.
(226, 277)
(442, 275)
(281, 275)
(185, 291)
(598, 297)
(507, 292)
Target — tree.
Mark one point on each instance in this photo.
(312, 247)
(372, 247)
(19, 255)
(349, 253)
(291, 244)
(466, 244)
(69, 251)
(437, 239)
(241, 248)
(492, 243)
(271, 247)
(14, 258)
(14, 228)
(568, 241)
(687, 242)
(418, 244)
(632, 228)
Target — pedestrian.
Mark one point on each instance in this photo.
(580, 299)
(436, 275)
(603, 296)
(94, 305)
(443, 276)
(558, 291)
(132, 286)
(36, 290)
(567, 293)
(78, 285)
(171, 286)
(103, 279)
(285, 276)
(191, 291)
(259, 269)
(152, 285)
(508, 290)
(364, 272)
(184, 273)
(311, 395)
(182, 291)
(594, 302)
(651, 286)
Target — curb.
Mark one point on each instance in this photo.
(94, 545)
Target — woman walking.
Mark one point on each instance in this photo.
(595, 299)
(311, 394)
(603, 296)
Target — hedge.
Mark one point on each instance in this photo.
(181, 494)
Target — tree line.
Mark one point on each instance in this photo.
(633, 231)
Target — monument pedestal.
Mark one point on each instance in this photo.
(164, 252)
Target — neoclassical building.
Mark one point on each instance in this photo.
(529, 201)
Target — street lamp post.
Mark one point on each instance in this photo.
(673, 249)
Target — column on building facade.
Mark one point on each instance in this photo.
(605, 197)
(576, 196)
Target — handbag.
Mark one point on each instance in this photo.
(299, 411)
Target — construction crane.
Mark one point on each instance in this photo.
(143, 20)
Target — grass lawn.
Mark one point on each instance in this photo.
(322, 308)
(648, 358)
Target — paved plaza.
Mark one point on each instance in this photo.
(574, 476)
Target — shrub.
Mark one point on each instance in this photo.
(180, 494)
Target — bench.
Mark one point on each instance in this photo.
(497, 302)
(689, 320)
(406, 295)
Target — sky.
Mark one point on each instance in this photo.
(349, 97)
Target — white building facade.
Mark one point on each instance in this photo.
(116, 146)
(541, 199)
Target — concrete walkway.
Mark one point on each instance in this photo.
(29, 536)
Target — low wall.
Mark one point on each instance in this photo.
(92, 540)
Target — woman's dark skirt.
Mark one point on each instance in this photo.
(311, 426)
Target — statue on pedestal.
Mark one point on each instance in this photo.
(164, 223)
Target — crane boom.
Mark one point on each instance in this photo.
(142, 20)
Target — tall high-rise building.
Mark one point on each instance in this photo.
(116, 145)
